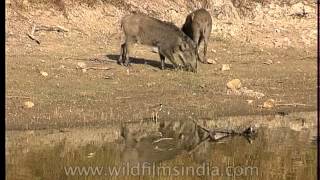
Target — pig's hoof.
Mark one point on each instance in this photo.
(204, 61)
(127, 64)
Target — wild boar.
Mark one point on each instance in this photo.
(198, 26)
(171, 42)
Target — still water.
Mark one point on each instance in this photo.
(277, 153)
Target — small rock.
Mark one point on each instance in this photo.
(202, 85)
(62, 67)
(81, 65)
(213, 50)
(28, 104)
(155, 50)
(234, 84)
(278, 62)
(248, 92)
(270, 103)
(43, 61)
(84, 70)
(249, 101)
(268, 62)
(149, 84)
(299, 9)
(211, 61)
(225, 67)
(90, 155)
(277, 44)
(43, 73)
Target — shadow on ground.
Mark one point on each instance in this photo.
(134, 60)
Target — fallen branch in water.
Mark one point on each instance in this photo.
(198, 145)
(216, 135)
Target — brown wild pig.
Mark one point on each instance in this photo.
(172, 43)
(198, 26)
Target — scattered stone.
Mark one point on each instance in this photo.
(249, 101)
(211, 61)
(268, 62)
(248, 92)
(84, 70)
(90, 155)
(270, 103)
(213, 50)
(62, 67)
(243, 91)
(287, 41)
(300, 10)
(43, 73)
(225, 67)
(149, 84)
(277, 44)
(43, 61)
(28, 104)
(234, 84)
(155, 50)
(81, 65)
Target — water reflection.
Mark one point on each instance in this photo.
(276, 153)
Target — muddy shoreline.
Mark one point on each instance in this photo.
(75, 137)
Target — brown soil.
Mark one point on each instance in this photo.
(68, 97)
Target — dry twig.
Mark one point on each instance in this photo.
(31, 35)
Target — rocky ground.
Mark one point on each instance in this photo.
(70, 78)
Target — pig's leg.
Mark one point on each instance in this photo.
(162, 59)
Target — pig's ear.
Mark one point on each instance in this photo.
(192, 16)
(184, 46)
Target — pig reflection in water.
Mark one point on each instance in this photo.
(171, 140)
